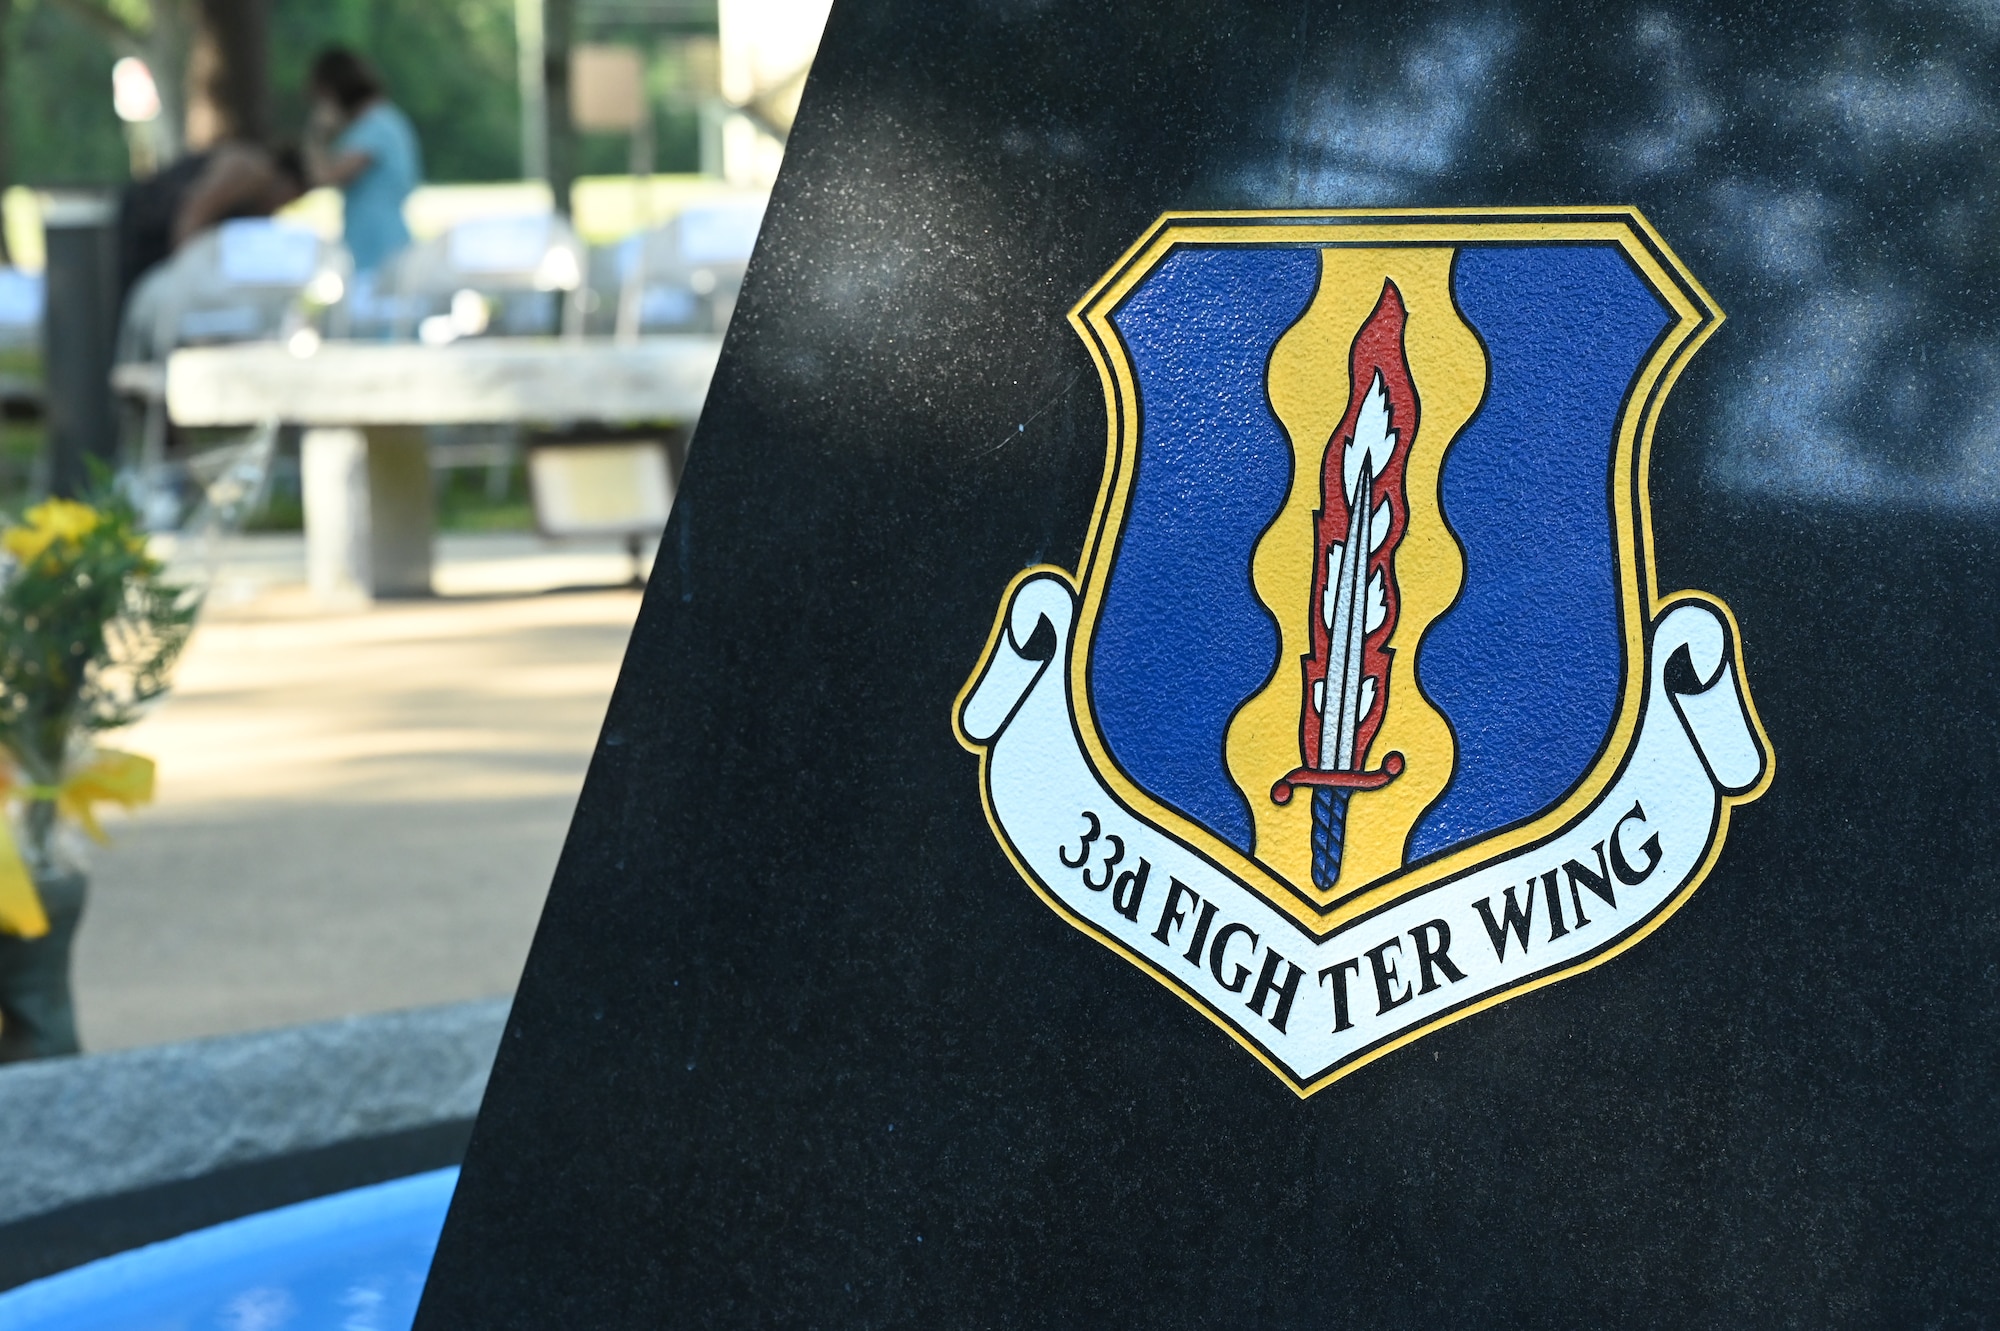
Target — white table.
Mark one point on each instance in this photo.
(364, 471)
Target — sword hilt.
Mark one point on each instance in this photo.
(1329, 833)
(1391, 768)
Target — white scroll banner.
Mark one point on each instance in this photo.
(1314, 1006)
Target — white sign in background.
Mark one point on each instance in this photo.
(1314, 1005)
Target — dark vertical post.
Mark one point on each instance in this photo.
(558, 32)
(79, 329)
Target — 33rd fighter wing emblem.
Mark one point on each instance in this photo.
(1365, 711)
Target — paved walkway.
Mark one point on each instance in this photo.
(357, 811)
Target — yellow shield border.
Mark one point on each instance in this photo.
(1696, 317)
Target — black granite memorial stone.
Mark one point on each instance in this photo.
(813, 1034)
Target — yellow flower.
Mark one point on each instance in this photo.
(48, 522)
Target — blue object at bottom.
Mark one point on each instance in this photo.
(354, 1261)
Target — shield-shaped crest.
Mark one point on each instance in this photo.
(1364, 711)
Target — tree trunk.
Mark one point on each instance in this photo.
(6, 122)
(228, 73)
(164, 48)
(558, 27)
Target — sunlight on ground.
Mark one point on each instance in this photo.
(357, 811)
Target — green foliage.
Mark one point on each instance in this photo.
(480, 499)
(21, 444)
(450, 64)
(135, 15)
(90, 629)
(59, 100)
(676, 145)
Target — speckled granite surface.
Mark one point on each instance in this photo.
(796, 1045)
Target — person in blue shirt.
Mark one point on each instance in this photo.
(363, 144)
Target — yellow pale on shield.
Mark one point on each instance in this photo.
(1309, 390)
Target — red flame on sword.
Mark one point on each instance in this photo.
(1377, 353)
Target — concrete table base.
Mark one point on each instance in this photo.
(368, 512)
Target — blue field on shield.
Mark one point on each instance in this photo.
(1526, 665)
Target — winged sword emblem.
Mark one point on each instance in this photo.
(1363, 514)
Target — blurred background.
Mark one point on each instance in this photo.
(391, 319)
(350, 351)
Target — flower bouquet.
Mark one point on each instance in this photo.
(90, 629)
